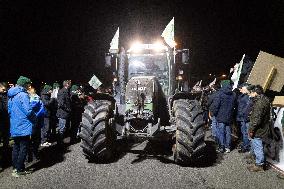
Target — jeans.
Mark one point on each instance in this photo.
(19, 153)
(257, 146)
(45, 130)
(214, 126)
(224, 135)
(244, 130)
(61, 125)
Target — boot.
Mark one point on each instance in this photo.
(256, 168)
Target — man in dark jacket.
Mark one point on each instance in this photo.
(243, 102)
(48, 103)
(259, 128)
(64, 109)
(210, 101)
(22, 119)
(223, 107)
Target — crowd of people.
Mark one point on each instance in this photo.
(250, 109)
(35, 121)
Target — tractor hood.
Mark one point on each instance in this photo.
(140, 91)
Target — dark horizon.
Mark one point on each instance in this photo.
(57, 40)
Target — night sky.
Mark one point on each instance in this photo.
(56, 40)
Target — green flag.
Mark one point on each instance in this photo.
(114, 42)
(95, 82)
(168, 33)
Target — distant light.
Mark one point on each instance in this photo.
(159, 46)
(136, 47)
(210, 74)
(224, 75)
(115, 79)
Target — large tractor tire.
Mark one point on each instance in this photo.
(190, 131)
(98, 136)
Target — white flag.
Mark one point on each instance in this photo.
(168, 33)
(114, 42)
(237, 72)
(95, 82)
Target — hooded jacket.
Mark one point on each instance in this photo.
(211, 98)
(223, 105)
(20, 111)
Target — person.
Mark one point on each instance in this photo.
(4, 122)
(210, 101)
(39, 110)
(47, 102)
(53, 110)
(223, 107)
(259, 126)
(76, 112)
(281, 175)
(22, 118)
(243, 102)
(63, 110)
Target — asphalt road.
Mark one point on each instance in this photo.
(137, 169)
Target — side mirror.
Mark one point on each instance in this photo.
(107, 60)
(185, 56)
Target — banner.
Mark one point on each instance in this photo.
(237, 72)
(95, 82)
(114, 42)
(168, 33)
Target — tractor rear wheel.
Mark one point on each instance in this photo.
(190, 131)
(97, 134)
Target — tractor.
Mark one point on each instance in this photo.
(149, 104)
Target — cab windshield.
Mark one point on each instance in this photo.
(150, 65)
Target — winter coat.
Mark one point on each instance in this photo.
(38, 108)
(242, 103)
(77, 106)
(21, 113)
(248, 110)
(260, 117)
(223, 105)
(64, 104)
(211, 98)
(48, 103)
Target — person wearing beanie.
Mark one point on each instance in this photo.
(56, 85)
(24, 82)
(22, 118)
(63, 110)
(48, 103)
(77, 109)
(39, 109)
(222, 110)
(74, 88)
(53, 110)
